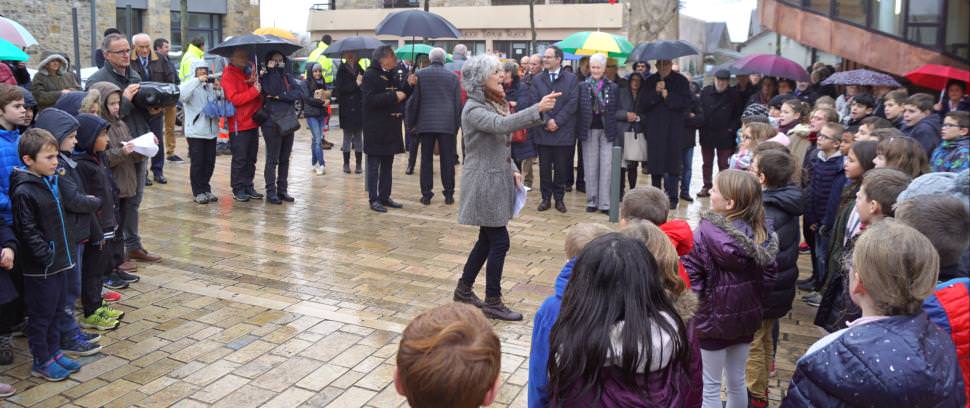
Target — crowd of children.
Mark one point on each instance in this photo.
(62, 174)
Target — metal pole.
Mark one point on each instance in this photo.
(77, 40)
(94, 35)
(615, 184)
(128, 21)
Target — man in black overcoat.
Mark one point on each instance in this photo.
(384, 91)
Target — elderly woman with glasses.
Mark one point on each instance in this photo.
(599, 100)
(489, 177)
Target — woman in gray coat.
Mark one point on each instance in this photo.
(489, 178)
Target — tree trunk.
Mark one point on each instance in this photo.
(651, 20)
(184, 25)
(532, 25)
(426, 5)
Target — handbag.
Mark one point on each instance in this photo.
(286, 122)
(261, 115)
(634, 147)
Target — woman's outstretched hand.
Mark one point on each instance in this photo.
(548, 102)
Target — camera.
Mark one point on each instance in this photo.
(156, 95)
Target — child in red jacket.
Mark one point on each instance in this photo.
(651, 204)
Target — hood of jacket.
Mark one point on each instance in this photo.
(193, 51)
(736, 242)
(71, 102)
(680, 235)
(933, 121)
(58, 122)
(10, 135)
(563, 279)
(29, 101)
(106, 89)
(200, 63)
(20, 176)
(661, 346)
(87, 133)
(42, 67)
(685, 305)
(787, 199)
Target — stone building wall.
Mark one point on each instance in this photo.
(50, 22)
(241, 17)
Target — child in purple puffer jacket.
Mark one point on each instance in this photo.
(731, 268)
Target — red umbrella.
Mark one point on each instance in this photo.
(935, 76)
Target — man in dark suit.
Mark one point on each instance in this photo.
(385, 89)
(434, 113)
(556, 140)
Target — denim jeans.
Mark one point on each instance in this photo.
(686, 162)
(66, 322)
(316, 130)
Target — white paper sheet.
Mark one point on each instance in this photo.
(145, 145)
(520, 195)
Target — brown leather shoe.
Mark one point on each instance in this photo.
(544, 205)
(128, 266)
(143, 255)
(560, 206)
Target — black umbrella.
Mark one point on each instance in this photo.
(417, 23)
(663, 50)
(356, 44)
(257, 45)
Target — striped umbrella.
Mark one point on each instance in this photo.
(10, 52)
(594, 42)
(15, 33)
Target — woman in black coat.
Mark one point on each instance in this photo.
(664, 101)
(629, 121)
(280, 92)
(349, 97)
(516, 94)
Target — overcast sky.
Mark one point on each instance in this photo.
(292, 14)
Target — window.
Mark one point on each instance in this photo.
(924, 22)
(121, 20)
(514, 2)
(853, 11)
(819, 6)
(887, 16)
(401, 3)
(512, 49)
(208, 26)
(957, 40)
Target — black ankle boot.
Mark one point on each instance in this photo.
(495, 309)
(465, 294)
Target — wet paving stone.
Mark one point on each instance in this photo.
(302, 304)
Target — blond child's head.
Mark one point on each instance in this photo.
(658, 243)
(894, 267)
(644, 203)
(449, 357)
(580, 235)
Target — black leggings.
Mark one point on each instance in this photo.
(492, 245)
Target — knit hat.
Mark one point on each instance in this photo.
(90, 127)
(70, 102)
(59, 123)
(955, 184)
(754, 109)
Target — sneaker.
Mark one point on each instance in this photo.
(115, 283)
(803, 248)
(7, 390)
(252, 193)
(240, 196)
(68, 364)
(19, 329)
(110, 313)
(98, 321)
(813, 300)
(127, 277)
(79, 348)
(201, 198)
(90, 337)
(175, 159)
(110, 296)
(50, 371)
(212, 197)
(322, 169)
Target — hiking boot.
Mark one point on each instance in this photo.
(465, 294)
(347, 168)
(6, 350)
(50, 371)
(98, 321)
(67, 363)
(78, 347)
(110, 313)
(495, 309)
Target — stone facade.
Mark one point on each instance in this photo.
(50, 22)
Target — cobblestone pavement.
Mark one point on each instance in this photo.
(302, 304)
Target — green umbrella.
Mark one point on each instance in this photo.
(410, 52)
(596, 42)
(10, 52)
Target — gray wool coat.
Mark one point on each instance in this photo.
(487, 192)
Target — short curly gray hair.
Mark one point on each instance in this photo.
(476, 70)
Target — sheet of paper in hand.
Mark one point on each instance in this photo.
(519, 200)
(145, 144)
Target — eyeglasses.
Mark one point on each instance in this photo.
(120, 52)
(949, 125)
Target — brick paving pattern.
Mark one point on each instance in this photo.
(302, 304)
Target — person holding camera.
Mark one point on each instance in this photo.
(200, 129)
(153, 67)
(280, 91)
(118, 71)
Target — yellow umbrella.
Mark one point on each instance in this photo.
(279, 32)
